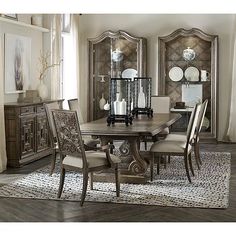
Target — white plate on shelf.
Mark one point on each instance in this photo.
(176, 73)
(192, 74)
(129, 73)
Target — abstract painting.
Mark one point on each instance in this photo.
(17, 63)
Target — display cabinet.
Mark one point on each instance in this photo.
(188, 72)
(112, 55)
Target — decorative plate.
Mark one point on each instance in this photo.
(129, 73)
(192, 74)
(176, 73)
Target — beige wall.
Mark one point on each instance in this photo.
(36, 47)
(151, 26)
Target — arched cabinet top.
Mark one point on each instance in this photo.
(187, 33)
(114, 35)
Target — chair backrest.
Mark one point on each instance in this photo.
(160, 104)
(48, 109)
(201, 116)
(74, 106)
(192, 124)
(68, 134)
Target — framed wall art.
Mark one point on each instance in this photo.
(17, 63)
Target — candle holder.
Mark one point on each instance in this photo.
(142, 96)
(120, 95)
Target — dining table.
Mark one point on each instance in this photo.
(142, 126)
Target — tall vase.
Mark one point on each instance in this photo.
(102, 102)
(43, 90)
(141, 99)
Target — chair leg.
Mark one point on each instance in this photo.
(112, 147)
(117, 177)
(53, 162)
(158, 164)
(186, 167)
(62, 179)
(169, 159)
(85, 184)
(198, 153)
(190, 163)
(151, 166)
(164, 160)
(196, 156)
(91, 180)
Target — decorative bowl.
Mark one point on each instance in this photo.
(188, 54)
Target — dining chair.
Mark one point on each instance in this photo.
(196, 139)
(160, 104)
(74, 106)
(177, 147)
(71, 146)
(52, 132)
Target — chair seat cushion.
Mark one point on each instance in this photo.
(94, 159)
(176, 137)
(169, 146)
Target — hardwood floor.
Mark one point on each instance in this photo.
(26, 210)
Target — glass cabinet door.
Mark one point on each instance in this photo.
(112, 55)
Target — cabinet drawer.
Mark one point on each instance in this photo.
(27, 110)
(40, 109)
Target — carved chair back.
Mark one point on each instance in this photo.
(68, 134)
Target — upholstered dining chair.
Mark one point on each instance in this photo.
(88, 141)
(196, 139)
(177, 147)
(160, 104)
(52, 132)
(71, 146)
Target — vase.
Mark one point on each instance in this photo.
(123, 107)
(141, 99)
(43, 90)
(102, 102)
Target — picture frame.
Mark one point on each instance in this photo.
(17, 63)
(10, 16)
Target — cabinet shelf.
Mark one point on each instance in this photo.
(14, 22)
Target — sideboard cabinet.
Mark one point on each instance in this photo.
(27, 134)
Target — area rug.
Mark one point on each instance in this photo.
(209, 187)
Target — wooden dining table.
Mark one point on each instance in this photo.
(142, 126)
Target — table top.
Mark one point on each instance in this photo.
(142, 126)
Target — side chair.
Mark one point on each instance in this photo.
(176, 147)
(183, 137)
(160, 104)
(89, 142)
(52, 132)
(71, 146)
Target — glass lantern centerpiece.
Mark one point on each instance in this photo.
(142, 96)
(120, 95)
